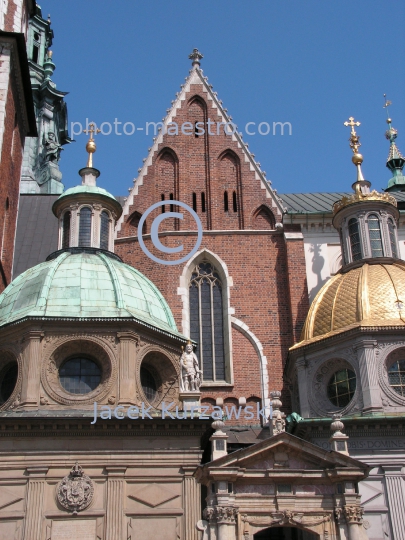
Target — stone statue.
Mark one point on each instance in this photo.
(51, 148)
(191, 375)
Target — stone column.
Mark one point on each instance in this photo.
(115, 510)
(31, 369)
(394, 480)
(226, 521)
(368, 375)
(127, 367)
(191, 504)
(34, 502)
(354, 520)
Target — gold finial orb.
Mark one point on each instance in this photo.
(357, 158)
(91, 146)
(389, 120)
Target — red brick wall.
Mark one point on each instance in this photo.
(263, 294)
(10, 171)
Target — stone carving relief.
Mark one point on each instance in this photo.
(59, 349)
(221, 514)
(353, 514)
(318, 399)
(191, 374)
(288, 517)
(75, 491)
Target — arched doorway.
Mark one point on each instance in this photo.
(285, 533)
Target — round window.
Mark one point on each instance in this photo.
(148, 384)
(79, 375)
(8, 380)
(341, 387)
(396, 377)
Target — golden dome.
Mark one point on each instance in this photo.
(370, 295)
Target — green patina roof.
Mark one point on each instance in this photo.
(87, 189)
(85, 285)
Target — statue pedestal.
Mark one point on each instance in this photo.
(190, 399)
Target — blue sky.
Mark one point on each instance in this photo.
(310, 63)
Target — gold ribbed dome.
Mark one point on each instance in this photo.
(371, 295)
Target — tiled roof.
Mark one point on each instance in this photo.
(37, 231)
(305, 203)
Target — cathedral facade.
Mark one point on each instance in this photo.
(253, 391)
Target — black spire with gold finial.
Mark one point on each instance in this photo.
(396, 160)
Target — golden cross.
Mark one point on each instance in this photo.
(351, 123)
(92, 130)
(387, 102)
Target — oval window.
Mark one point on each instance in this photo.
(396, 377)
(79, 375)
(341, 387)
(8, 380)
(148, 383)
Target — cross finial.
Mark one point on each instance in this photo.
(195, 56)
(92, 129)
(352, 123)
(354, 140)
(91, 145)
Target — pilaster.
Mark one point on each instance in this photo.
(34, 502)
(368, 375)
(31, 369)
(115, 510)
(395, 482)
(127, 369)
(191, 504)
(301, 366)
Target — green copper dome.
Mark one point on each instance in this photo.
(92, 190)
(84, 284)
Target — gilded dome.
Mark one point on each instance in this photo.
(85, 284)
(370, 295)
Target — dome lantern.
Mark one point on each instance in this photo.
(366, 220)
(87, 214)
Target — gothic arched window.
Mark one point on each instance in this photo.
(206, 320)
(104, 229)
(85, 227)
(393, 239)
(66, 230)
(354, 236)
(375, 235)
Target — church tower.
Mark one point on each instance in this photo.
(350, 361)
(40, 171)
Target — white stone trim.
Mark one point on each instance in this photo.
(227, 282)
(264, 375)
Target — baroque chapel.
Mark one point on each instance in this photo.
(253, 391)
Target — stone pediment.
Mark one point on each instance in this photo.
(284, 451)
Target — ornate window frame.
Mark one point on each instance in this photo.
(318, 397)
(385, 361)
(65, 348)
(227, 282)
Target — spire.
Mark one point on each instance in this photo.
(89, 174)
(195, 56)
(91, 143)
(395, 160)
(361, 185)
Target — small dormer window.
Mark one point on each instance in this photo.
(354, 239)
(85, 227)
(104, 229)
(375, 235)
